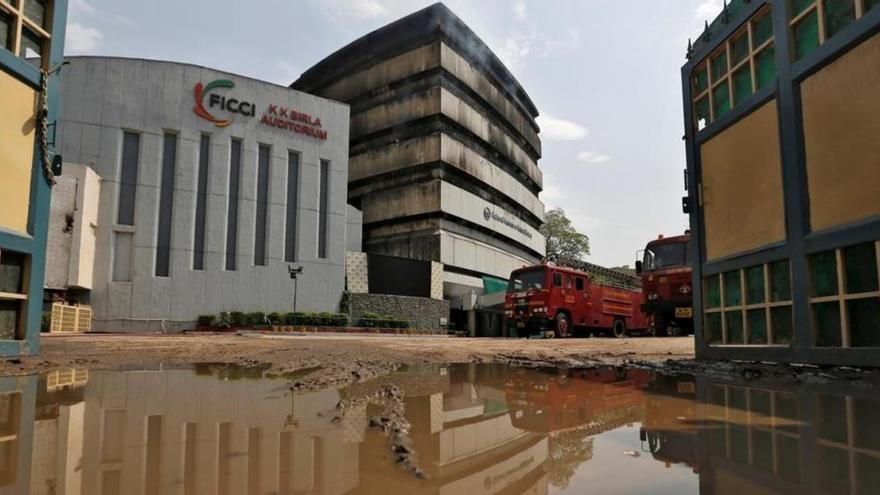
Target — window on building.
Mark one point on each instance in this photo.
(814, 22)
(557, 279)
(232, 210)
(739, 67)
(13, 294)
(34, 37)
(750, 306)
(201, 203)
(166, 198)
(122, 254)
(845, 296)
(263, 160)
(323, 208)
(128, 174)
(579, 284)
(290, 237)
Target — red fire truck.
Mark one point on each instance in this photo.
(667, 285)
(555, 300)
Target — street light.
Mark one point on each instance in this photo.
(293, 273)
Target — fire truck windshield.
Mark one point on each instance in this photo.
(665, 255)
(528, 280)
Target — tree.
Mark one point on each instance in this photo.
(562, 238)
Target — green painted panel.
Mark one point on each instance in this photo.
(757, 319)
(739, 49)
(798, 6)
(713, 291)
(806, 35)
(860, 263)
(780, 281)
(827, 318)
(838, 15)
(864, 321)
(735, 330)
(823, 274)
(762, 30)
(833, 464)
(732, 289)
(765, 66)
(701, 110)
(742, 84)
(719, 66)
(494, 285)
(721, 99)
(700, 80)
(755, 285)
(783, 330)
(870, 4)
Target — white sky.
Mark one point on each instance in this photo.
(604, 74)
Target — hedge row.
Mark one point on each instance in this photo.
(233, 319)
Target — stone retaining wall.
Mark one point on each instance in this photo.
(421, 312)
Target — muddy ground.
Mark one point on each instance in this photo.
(318, 361)
(342, 359)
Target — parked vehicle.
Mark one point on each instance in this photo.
(557, 300)
(667, 284)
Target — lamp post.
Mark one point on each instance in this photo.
(293, 273)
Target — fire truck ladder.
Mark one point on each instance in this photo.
(599, 274)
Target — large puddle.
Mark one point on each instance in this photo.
(473, 429)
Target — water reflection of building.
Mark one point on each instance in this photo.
(17, 399)
(747, 439)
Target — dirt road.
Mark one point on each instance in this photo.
(342, 359)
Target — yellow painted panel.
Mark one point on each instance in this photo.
(17, 131)
(841, 105)
(742, 196)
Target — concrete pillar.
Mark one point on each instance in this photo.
(472, 323)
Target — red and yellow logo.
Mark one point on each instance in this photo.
(201, 91)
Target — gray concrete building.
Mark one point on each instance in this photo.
(210, 186)
(444, 150)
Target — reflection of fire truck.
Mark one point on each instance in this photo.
(594, 399)
(670, 429)
(581, 295)
(667, 284)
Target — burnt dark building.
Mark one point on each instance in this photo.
(444, 150)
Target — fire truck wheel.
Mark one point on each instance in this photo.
(562, 326)
(619, 328)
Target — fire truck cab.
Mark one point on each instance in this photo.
(667, 284)
(555, 300)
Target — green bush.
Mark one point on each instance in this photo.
(255, 318)
(236, 318)
(224, 320)
(276, 318)
(316, 319)
(374, 320)
(205, 320)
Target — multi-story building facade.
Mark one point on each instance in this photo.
(209, 185)
(782, 113)
(31, 51)
(443, 152)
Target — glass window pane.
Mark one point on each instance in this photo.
(719, 66)
(762, 29)
(755, 285)
(700, 81)
(865, 431)
(827, 318)
(9, 313)
(867, 474)
(735, 334)
(762, 447)
(12, 272)
(742, 84)
(128, 176)
(860, 263)
(732, 289)
(780, 281)
(721, 99)
(765, 67)
(787, 408)
(783, 330)
(870, 4)
(789, 456)
(701, 112)
(757, 319)
(713, 291)
(832, 422)
(798, 6)
(838, 15)
(806, 35)
(31, 45)
(823, 273)
(739, 444)
(712, 328)
(35, 10)
(5, 30)
(739, 48)
(864, 321)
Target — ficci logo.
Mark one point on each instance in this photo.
(231, 105)
(487, 213)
